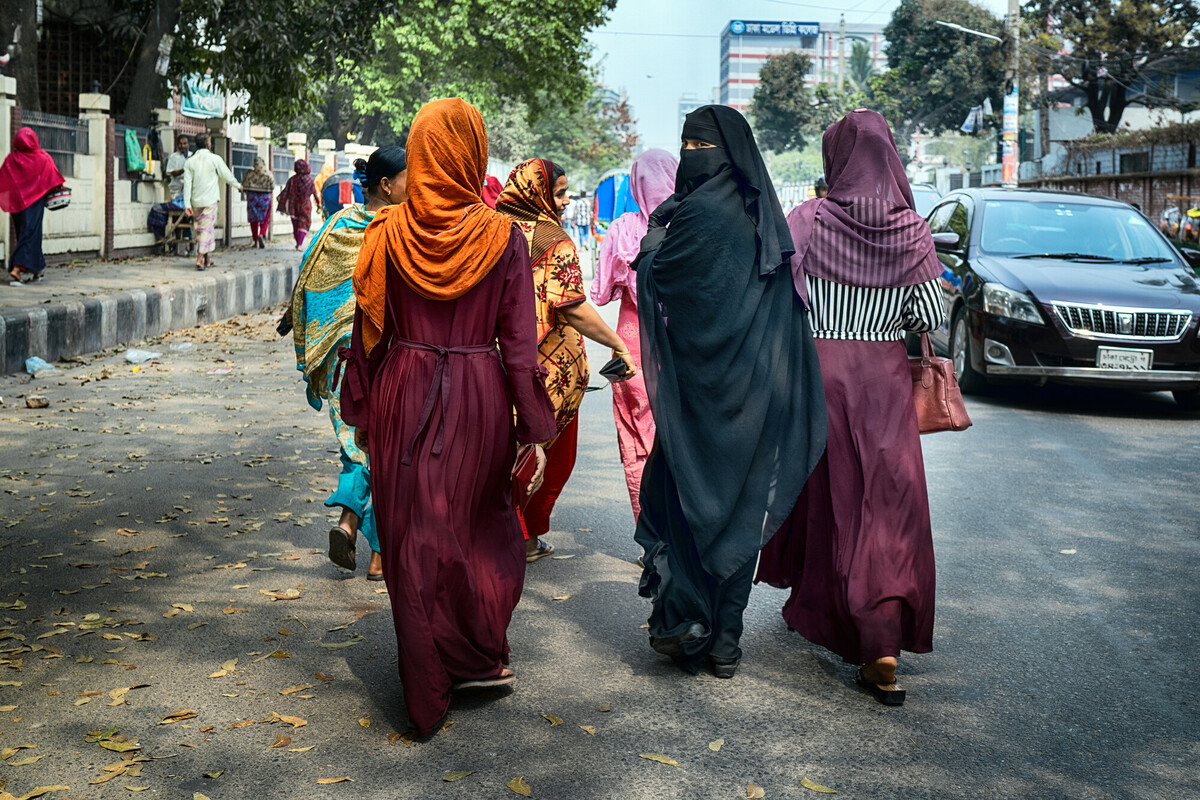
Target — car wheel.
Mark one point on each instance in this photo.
(1188, 400)
(969, 381)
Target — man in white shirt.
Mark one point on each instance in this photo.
(203, 175)
(175, 164)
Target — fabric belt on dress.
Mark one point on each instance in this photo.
(440, 385)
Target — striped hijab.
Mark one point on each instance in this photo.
(865, 233)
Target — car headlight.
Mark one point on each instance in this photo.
(1004, 302)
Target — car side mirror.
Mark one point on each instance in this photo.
(945, 241)
(1192, 257)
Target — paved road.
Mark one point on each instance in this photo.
(1067, 542)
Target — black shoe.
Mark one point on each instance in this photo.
(723, 667)
(673, 645)
(341, 548)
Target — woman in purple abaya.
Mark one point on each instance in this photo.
(858, 550)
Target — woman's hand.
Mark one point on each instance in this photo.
(360, 439)
(539, 473)
(630, 367)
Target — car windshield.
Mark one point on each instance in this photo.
(924, 197)
(1075, 231)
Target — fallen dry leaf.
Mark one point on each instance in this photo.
(302, 749)
(553, 720)
(233, 610)
(660, 758)
(9, 752)
(715, 745)
(755, 792)
(457, 776)
(282, 740)
(176, 716)
(340, 645)
(562, 597)
(137, 788)
(37, 792)
(394, 737)
(591, 729)
(214, 774)
(325, 781)
(364, 721)
(816, 787)
(321, 676)
(297, 688)
(24, 762)
(519, 786)
(604, 708)
(226, 668)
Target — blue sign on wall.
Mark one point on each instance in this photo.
(740, 27)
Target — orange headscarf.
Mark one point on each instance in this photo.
(444, 240)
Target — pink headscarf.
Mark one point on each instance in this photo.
(491, 190)
(652, 180)
(865, 233)
(28, 173)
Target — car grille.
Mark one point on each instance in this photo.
(1109, 322)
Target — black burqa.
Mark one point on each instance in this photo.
(734, 385)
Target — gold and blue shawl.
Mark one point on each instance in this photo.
(323, 298)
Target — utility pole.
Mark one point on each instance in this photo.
(842, 52)
(1012, 107)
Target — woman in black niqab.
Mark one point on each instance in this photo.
(735, 388)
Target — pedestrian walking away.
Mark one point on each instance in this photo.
(734, 387)
(296, 200)
(858, 551)
(203, 175)
(323, 317)
(258, 184)
(652, 180)
(535, 196)
(440, 280)
(27, 175)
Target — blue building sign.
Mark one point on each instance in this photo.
(779, 28)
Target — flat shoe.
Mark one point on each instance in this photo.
(723, 667)
(889, 697)
(341, 548)
(673, 645)
(484, 684)
(371, 577)
(543, 550)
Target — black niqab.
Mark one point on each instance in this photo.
(731, 371)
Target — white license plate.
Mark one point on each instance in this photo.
(1123, 358)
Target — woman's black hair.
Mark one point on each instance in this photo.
(555, 174)
(386, 162)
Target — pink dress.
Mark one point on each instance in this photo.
(652, 180)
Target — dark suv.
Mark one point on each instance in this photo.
(1059, 286)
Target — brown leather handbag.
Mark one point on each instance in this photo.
(935, 392)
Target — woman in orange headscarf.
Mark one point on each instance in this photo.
(441, 280)
(535, 196)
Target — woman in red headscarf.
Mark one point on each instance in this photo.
(296, 200)
(857, 552)
(441, 280)
(26, 177)
(535, 196)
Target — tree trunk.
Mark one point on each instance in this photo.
(146, 93)
(23, 67)
(370, 124)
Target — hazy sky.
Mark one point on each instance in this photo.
(657, 50)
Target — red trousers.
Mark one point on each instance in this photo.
(258, 230)
(560, 461)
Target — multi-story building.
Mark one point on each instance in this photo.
(688, 102)
(747, 44)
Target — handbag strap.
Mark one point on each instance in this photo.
(926, 347)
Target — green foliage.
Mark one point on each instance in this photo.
(789, 114)
(861, 66)
(1116, 45)
(586, 142)
(492, 53)
(798, 165)
(937, 75)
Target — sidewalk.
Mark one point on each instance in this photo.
(89, 306)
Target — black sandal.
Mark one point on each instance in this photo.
(889, 697)
(341, 548)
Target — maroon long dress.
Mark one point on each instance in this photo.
(442, 444)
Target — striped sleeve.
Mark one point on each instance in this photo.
(923, 309)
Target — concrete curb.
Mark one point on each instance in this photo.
(87, 325)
